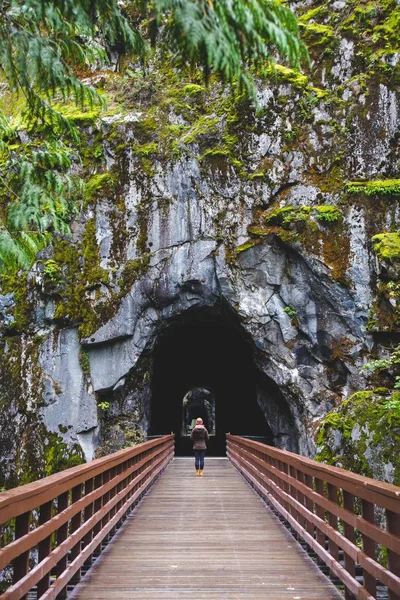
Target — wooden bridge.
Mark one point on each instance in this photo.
(88, 533)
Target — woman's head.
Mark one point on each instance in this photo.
(199, 421)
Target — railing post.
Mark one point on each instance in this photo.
(308, 480)
(113, 492)
(106, 498)
(369, 546)
(44, 547)
(293, 491)
(285, 485)
(98, 482)
(87, 513)
(349, 563)
(62, 534)
(300, 498)
(393, 526)
(320, 512)
(333, 520)
(120, 469)
(76, 522)
(21, 563)
(264, 471)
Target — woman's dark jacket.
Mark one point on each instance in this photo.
(199, 436)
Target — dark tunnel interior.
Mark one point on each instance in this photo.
(203, 350)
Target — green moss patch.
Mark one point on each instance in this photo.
(289, 214)
(285, 75)
(145, 150)
(363, 435)
(387, 245)
(133, 270)
(319, 12)
(316, 34)
(246, 246)
(327, 214)
(193, 88)
(378, 187)
(81, 275)
(98, 185)
(79, 115)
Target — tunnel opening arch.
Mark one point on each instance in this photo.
(198, 402)
(207, 348)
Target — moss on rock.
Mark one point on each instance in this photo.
(18, 284)
(377, 187)
(316, 34)
(315, 228)
(98, 184)
(387, 245)
(246, 246)
(81, 274)
(363, 435)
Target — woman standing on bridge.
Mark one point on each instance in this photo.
(199, 437)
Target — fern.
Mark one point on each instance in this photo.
(391, 364)
(41, 41)
(228, 37)
(38, 195)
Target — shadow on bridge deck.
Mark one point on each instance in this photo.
(207, 538)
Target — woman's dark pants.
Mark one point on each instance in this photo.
(199, 459)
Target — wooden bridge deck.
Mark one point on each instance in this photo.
(208, 538)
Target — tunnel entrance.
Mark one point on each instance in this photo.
(198, 402)
(205, 358)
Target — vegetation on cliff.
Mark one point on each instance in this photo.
(48, 47)
(363, 435)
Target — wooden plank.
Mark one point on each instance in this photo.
(203, 538)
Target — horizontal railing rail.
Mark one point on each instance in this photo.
(51, 528)
(351, 522)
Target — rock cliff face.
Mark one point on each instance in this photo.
(206, 216)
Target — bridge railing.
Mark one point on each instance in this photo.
(351, 522)
(57, 524)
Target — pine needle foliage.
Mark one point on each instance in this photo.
(38, 195)
(43, 46)
(228, 37)
(43, 42)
